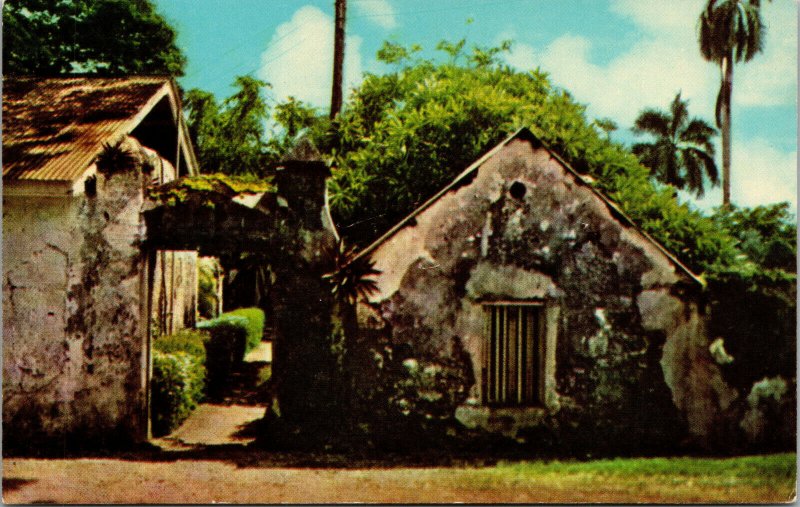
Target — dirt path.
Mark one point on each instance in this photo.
(229, 418)
(214, 424)
(261, 481)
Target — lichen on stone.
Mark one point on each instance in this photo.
(205, 185)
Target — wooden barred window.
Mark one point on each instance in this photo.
(513, 352)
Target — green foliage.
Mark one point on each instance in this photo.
(769, 422)
(204, 186)
(177, 387)
(407, 133)
(225, 348)
(766, 235)
(254, 324)
(351, 277)
(682, 152)
(751, 470)
(46, 37)
(190, 341)
(402, 400)
(294, 117)
(230, 137)
(754, 297)
(208, 269)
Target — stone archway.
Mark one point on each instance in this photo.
(285, 225)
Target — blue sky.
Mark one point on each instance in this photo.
(615, 56)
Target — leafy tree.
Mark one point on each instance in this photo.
(682, 150)
(765, 234)
(405, 134)
(730, 30)
(104, 37)
(606, 125)
(230, 137)
(753, 301)
(294, 118)
(242, 134)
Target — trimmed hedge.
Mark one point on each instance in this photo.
(177, 388)
(179, 378)
(254, 325)
(191, 341)
(225, 348)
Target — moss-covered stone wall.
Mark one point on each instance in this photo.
(75, 324)
(626, 360)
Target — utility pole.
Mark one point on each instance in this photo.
(338, 57)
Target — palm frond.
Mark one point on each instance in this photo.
(694, 172)
(684, 153)
(709, 164)
(652, 121)
(351, 275)
(115, 158)
(731, 28)
(680, 114)
(700, 133)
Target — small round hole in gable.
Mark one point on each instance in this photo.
(517, 190)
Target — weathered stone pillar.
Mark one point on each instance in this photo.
(304, 365)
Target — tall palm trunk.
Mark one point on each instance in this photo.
(726, 67)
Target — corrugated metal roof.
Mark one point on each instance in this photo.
(53, 128)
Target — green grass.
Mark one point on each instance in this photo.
(755, 471)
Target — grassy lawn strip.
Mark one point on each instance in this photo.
(751, 470)
(656, 478)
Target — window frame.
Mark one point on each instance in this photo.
(525, 385)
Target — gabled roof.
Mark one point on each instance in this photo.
(468, 173)
(53, 128)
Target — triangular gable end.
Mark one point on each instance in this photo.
(525, 134)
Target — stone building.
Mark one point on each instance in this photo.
(569, 314)
(79, 296)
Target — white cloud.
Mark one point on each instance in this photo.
(665, 60)
(770, 78)
(521, 56)
(649, 74)
(379, 12)
(658, 15)
(761, 174)
(298, 60)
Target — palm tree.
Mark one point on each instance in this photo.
(682, 151)
(730, 30)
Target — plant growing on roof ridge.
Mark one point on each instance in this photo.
(682, 150)
(351, 277)
(114, 159)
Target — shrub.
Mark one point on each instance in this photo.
(224, 349)
(254, 324)
(177, 387)
(191, 341)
